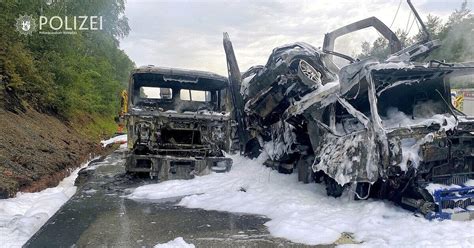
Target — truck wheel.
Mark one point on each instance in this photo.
(333, 188)
(284, 170)
(253, 148)
(318, 176)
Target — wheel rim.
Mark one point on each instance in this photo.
(309, 72)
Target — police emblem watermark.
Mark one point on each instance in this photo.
(25, 24)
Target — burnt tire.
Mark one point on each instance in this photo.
(253, 149)
(318, 176)
(284, 170)
(333, 188)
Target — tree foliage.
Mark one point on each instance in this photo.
(456, 36)
(68, 75)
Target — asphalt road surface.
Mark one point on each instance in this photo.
(99, 215)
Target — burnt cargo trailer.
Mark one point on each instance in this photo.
(376, 128)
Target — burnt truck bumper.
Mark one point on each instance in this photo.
(170, 167)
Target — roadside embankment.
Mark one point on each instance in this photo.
(38, 150)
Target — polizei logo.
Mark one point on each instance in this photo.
(25, 24)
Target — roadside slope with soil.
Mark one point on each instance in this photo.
(37, 150)
(57, 92)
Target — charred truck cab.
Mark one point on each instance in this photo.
(177, 123)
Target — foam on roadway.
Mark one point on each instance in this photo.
(251, 206)
(99, 215)
(303, 213)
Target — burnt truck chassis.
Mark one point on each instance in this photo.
(173, 167)
(335, 125)
(171, 138)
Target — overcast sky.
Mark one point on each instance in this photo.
(188, 34)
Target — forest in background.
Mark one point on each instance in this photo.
(76, 77)
(456, 36)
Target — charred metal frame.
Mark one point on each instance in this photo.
(173, 138)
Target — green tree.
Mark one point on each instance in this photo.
(456, 36)
(66, 75)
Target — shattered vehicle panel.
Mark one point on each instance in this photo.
(383, 129)
(178, 124)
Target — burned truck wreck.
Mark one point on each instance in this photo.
(383, 129)
(177, 123)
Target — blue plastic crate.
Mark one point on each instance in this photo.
(459, 198)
